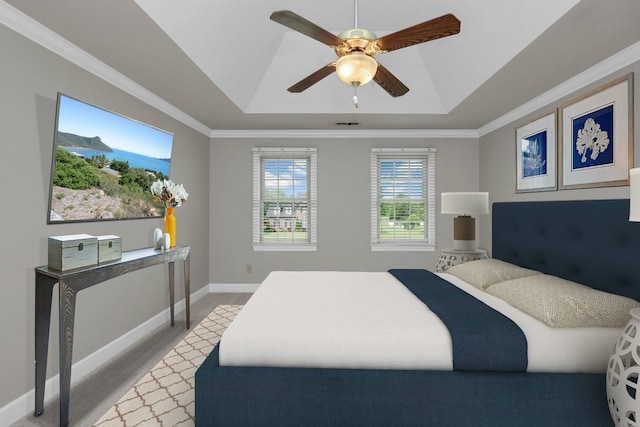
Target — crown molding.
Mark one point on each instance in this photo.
(347, 134)
(603, 69)
(38, 33)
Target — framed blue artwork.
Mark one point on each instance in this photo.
(597, 137)
(536, 155)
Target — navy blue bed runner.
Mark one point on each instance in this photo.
(483, 338)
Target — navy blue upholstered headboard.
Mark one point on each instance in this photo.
(588, 241)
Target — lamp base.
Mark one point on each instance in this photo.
(464, 245)
(464, 233)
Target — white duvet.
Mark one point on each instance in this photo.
(369, 320)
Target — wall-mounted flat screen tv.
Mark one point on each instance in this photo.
(104, 165)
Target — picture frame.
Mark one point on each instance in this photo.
(597, 137)
(103, 165)
(536, 164)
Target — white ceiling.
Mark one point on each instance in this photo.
(225, 66)
(258, 58)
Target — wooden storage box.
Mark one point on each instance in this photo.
(72, 251)
(109, 248)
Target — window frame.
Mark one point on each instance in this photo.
(259, 154)
(429, 241)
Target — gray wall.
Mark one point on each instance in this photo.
(498, 159)
(343, 206)
(30, 79)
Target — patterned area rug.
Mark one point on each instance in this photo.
(165, 395)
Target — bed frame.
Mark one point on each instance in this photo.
(591, 242)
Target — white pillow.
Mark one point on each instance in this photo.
(563, 304)
(486, 272)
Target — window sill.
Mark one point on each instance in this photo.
(394, 247)
(283, 248)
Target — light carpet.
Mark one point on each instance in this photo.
(165, 395)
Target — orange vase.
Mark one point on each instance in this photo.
(170, 225)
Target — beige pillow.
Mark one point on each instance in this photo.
(563, 304)
(486, 272)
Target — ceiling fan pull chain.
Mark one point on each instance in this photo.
(355, 96)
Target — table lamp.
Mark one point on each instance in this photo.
(464, 225)
(634, 195)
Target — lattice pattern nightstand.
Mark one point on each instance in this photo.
(450, 257)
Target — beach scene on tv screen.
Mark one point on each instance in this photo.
(104, 164)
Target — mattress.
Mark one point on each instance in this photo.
(336, 320)
(369, 320)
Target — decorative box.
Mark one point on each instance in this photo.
(109, 248)
(72, 251)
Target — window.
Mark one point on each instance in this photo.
(284, 199)
(403, 199)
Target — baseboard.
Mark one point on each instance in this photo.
(24, 405)
(233, 287)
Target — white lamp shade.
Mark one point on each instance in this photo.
(634, 192)
(466, 203)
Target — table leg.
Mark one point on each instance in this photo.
(172, 290)
(44, 291)
(187, 289)
(66, 327)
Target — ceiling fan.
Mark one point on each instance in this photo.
(356, 47)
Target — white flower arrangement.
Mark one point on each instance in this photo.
(169, 193)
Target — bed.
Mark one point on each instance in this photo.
(588, 242)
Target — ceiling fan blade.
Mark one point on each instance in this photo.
(389, 82)
(312, 78)
(308, 28)
(444, 26)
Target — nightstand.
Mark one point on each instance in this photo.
(450, 257)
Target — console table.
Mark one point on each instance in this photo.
(70, 283)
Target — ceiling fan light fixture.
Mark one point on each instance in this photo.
(356, 47)
(356, 68)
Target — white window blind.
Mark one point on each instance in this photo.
(284, 199)
(403, 200)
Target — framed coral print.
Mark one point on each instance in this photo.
(597, 137)
(536, 155)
